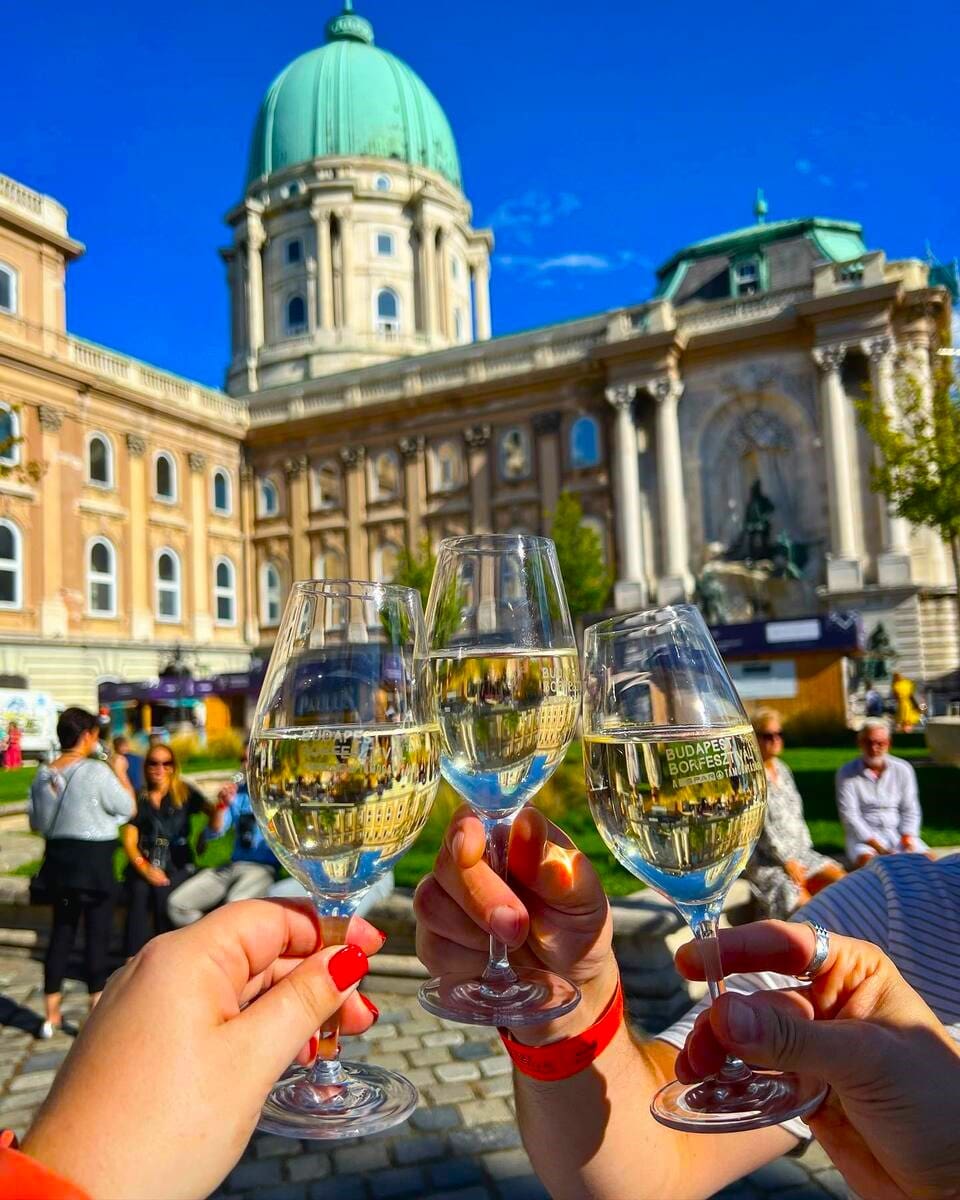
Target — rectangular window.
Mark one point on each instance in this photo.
(385, 245)
(746, 278)
(101, 597)
(225, 609)
(294, 250)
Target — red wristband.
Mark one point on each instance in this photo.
(560, 1060)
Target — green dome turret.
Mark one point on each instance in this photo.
(350, 98)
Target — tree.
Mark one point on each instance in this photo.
(586, 577)
(415, 568)
(918, 467)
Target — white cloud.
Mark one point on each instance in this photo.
(576, 262)
(533, 210)
(804, 166)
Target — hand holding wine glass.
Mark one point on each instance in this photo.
(677, 789)
(508, 686)
(344, 768)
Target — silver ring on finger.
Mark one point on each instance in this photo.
(820, 952)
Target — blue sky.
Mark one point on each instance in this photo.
(595, 138)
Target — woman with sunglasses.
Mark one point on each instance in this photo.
(157, 843)
(785, 870)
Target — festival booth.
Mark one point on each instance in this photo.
(800, 666)
(169, 702)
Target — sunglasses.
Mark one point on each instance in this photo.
(166, 763)
(770, 735)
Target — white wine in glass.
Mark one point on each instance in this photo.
(677, 789)
(344, 766)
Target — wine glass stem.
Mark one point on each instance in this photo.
(327, 1070)
(705, 931)
(498, 841)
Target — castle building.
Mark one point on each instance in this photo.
(367, 406)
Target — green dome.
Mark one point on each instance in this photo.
(350, 98)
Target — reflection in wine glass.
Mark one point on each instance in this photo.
(677, 790)
(508, 688)
(344, 768)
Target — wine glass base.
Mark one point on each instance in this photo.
(722, 1106)
(369, 1100)
(531, 997)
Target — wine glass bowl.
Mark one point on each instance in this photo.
(507, 679)
(677, 789)
(344, 768)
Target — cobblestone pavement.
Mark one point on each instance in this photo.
(462, 1142)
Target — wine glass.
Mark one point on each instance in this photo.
(508, 685)
(677, 790)
(344, 767)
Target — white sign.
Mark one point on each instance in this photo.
(793, 631)
(760, 680)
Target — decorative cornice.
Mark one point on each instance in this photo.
(51, 419)
(547, 422)
(410, 447)
(477, 436)
(136, 445)
(829, 358)
(352, 456)
(197, 462)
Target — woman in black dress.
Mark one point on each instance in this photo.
(158, 846)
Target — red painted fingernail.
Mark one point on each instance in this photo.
(370, 1004)
(347, 966)
(312, 1047)
(380, 934)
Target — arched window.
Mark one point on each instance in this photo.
(382, 183)
(224, 592)
(168, 585)
(8, 289)
(584, 442)
(388, 313)
(385, 559)
(269, 498)
(325, 485)
(447, 467)
(294, 251)
(328, 564)
(100, 460)
(11, 565)
(514, 454)
(222, 492)
(165, 477)
(9, 436)
(101, 578)
(296, 314)
(270, 594)
(384, 476)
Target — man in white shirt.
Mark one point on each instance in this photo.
(877, 799)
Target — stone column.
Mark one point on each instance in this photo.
(428, 276)
(346, 270)
(54, 618)
(481, 299)
(140, 601)
(893, 563)
(415, 488)
(547, 428)
(255, 241)
(477, 438)
(675, 582)
(200, 565)
(296, 471)
(844, 568)
(321, 224)
(630, 590)
(251, 628)
(356, 507)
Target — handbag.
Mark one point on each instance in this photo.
(42, 887)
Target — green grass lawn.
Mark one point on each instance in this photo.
(15, 784)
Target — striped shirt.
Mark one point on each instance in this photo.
(903, 903)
